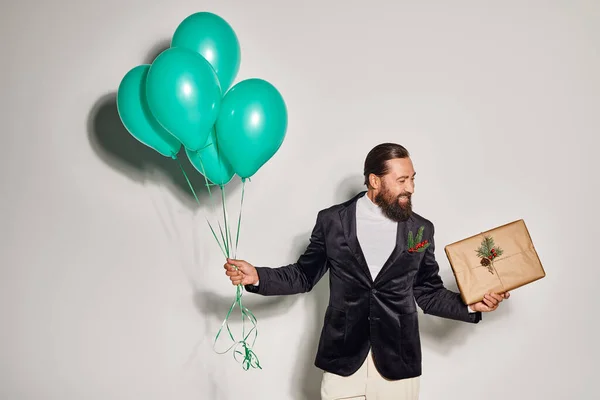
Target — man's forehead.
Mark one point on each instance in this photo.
(401, 167)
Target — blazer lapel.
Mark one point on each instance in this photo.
(348, 217)
(401, 245)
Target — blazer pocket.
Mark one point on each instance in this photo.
(410, 342)
(414, 257)
(334, 332)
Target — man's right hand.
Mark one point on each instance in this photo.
(241, 272)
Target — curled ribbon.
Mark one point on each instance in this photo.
(250, 359)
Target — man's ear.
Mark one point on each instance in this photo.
(374, 181)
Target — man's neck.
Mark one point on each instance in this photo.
(371, 195)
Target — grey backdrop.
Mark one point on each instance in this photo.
(112, 286)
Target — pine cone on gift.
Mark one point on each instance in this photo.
(485, 262)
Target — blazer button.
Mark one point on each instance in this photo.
(374, 291)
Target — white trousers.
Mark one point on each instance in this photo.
(368, 384)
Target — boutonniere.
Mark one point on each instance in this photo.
(417, 244)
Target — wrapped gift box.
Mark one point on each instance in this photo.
(497, 260)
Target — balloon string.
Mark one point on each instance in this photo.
(237, 239)
(250, 360)
(198, 202)
(249, 357)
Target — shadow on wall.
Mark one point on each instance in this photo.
(348, 188)
(118, 149)
(306, 380)
(113, 144)
(215, 306)
(442, 335)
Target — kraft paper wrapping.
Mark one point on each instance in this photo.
(517, 265)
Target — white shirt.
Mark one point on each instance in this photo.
(376, 234)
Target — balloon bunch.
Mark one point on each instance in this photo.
(184, 99)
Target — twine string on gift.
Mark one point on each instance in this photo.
(482, 234)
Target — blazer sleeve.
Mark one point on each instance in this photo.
(431, 295)
(299, 277)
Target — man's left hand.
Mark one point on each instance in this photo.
(490, 302)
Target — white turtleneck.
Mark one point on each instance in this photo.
(376, 234)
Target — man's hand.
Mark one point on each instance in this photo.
(241, 272)
(490, 302)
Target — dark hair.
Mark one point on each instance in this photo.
(376, 161)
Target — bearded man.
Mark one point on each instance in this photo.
(370, 346)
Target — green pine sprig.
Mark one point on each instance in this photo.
(413, 240)
(485, 250)
(419, 238)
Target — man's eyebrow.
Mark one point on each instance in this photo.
(406, 176)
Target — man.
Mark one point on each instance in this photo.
(370, 346)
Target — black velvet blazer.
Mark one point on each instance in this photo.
(364, 313)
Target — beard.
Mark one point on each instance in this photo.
(391, 206)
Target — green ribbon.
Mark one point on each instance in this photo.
(249, 360)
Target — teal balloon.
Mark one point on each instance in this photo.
(213, 38)
(184, 95)
(136, 116)
(252, 125)
(209, 162)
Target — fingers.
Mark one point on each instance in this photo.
(238, 264)
(235, 275)
(490, 301)
(497, 297)
(240, 272)
(234, 265)
(236, 281)
(487, 304)
(230, 267)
